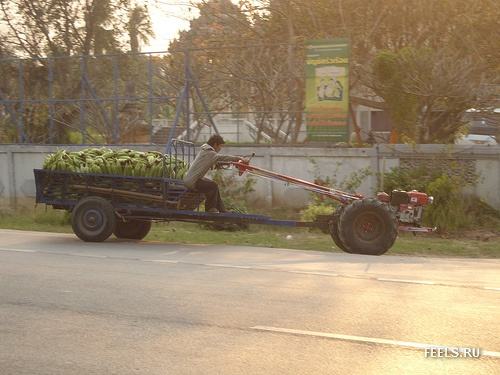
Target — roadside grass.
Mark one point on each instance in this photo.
(50, 220)
(39, 218)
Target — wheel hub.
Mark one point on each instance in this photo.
(368, 226)
(93, 220)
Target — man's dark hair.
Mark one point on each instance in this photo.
(215, 139)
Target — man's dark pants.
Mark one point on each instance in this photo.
(212, 195)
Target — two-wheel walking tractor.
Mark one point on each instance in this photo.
(106, 204)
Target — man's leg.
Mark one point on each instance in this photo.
(220, 202)
(211, 191)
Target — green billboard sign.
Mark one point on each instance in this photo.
(327, 90)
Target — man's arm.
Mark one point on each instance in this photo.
(227, 158)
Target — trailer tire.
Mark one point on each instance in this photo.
(368, 227)
(132, 229)
(334, 230)
(93, 219)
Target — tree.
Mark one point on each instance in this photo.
(59, 29)
(62, 27)
(427, 92)
(139, 27)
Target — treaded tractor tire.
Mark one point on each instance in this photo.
(132, 229)
(93, 219)
(367, 226)
(334, 229)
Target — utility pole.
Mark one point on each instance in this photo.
(187, 75)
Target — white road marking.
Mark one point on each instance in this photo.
(424, 282)
(228, 266)
(362, 339)
(18, 250)
(314, 273)
(488, 288)
(488, 353)
(160, 261)
(170, 252)
(88, 255)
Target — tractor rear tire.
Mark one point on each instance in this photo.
(367, 226)
(93, 219)
(132, 229)
(334, 230)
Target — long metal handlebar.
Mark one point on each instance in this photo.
(335, 194)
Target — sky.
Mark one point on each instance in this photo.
(168, 17)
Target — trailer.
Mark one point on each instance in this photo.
(106, 204)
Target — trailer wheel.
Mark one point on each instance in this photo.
(132, 229)
(93, 219)
(367, 226)
(334, 230)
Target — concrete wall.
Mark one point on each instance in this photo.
(4, 174)
(18, 161)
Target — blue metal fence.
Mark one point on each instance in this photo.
(119, 98)
(86, 94)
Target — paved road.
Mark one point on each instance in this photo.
(68, 307)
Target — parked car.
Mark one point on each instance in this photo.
(476, 139)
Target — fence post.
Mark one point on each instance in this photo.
(82, 98)
(51, 99)
(178, 110)
(11, 176)
(268, 164)
(203, 102)
(380, 174)
(187, 97)
(238, 128)
(21, 137)
(497, 206)
(116, 123)
(150, 97)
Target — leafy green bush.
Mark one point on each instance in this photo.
(413, 179)
(316, 209)
(448, 211)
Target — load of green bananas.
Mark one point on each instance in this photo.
(123, 162)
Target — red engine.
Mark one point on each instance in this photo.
(417, 198)
(407, 205)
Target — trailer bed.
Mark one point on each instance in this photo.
(139, 198)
